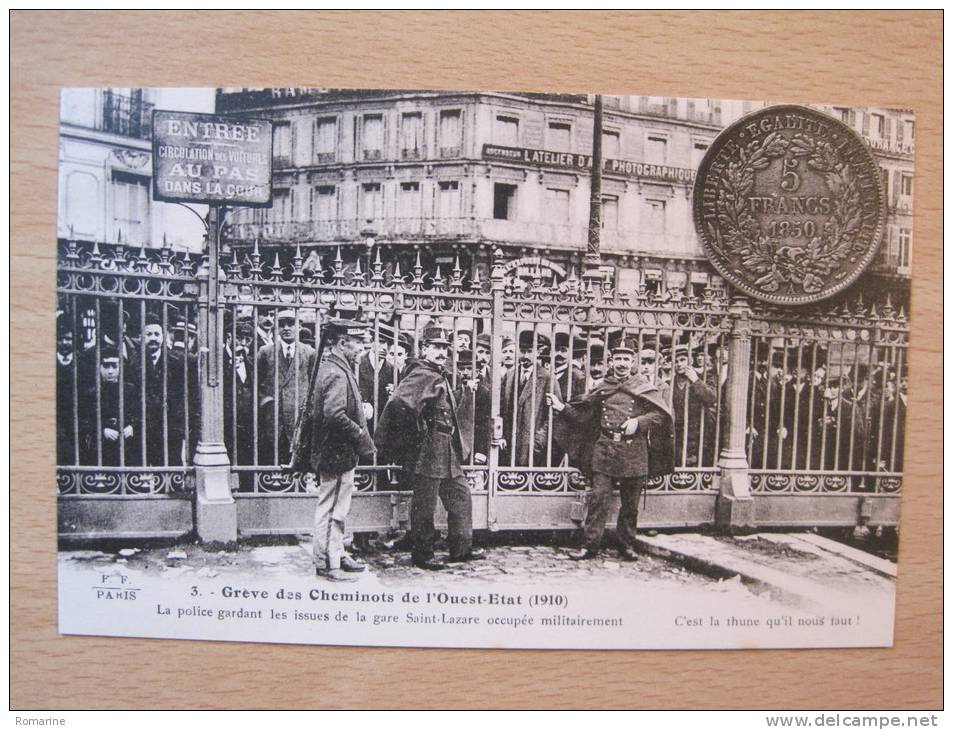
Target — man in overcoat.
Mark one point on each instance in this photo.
(339, 439)
(282, 371)
(618, 434)
(419, 428)
(694, 399)
(523, 405)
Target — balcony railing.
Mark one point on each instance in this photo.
(416, 229)
(352, 229)
(127, 116)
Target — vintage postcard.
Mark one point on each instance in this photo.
(480, 369)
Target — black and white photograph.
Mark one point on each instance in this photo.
(480, 369)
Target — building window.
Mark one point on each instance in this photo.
(885, 181)
(282, 208)
(506, 131)
(906, 252)
(504, 201)
(906, 185)
(372, 137)
(698, 153)
(450, 138)
(610, 212)
(843, 114)
(908, 131)
(654, 216)
(324, 203)
(559, 136)
(411, 136)
(448, 199)
(655, 150)
(281, 144)
(409, 205)
(325, 140)
(557, 205)
(125, 113)
(878, 126)
(130, 207)
(372, 201)
(611, 147)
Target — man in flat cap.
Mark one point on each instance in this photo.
(419, 428)
(618, 434)
(338, 440)
(282, 370)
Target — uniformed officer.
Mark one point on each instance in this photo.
(420, 430)
(339, 439)
(619, 434)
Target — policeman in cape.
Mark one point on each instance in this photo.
(620, 435)
(419, 428)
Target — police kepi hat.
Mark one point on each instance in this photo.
(346, 320)
(436, 336)
(625, 346)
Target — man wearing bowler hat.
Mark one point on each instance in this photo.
(339, 439)
(419, 429)
(282, 368)
(619, 434)
(523, 407)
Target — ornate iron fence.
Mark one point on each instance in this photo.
(741, 383)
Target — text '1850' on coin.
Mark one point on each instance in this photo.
(789, 205)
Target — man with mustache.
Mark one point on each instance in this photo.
(238, 374)
(165, 415)
(419, 429)
(339, 439)
(618, 434)
(525, 418)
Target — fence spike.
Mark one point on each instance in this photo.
(476, 284)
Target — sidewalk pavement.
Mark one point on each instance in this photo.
(797, 569)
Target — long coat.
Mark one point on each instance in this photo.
(339, 436)
(419, 427)
(525, 417)
(579, 426)
(93, 442)
(239, 415)
(165, 386)
(291, 392)
(473, 414)
(692, 405)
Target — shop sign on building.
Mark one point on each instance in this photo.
(203, 158)
(583, 163)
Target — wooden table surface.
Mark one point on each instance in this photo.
(848, 58)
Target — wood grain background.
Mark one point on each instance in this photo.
(848, 58)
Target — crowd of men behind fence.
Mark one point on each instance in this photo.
(128, 390)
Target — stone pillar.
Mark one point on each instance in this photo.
(735, 507)
(216, 518)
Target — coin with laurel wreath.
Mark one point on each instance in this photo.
(789, 205)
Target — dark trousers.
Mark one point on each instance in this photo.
(455, 495)
(600, 503)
